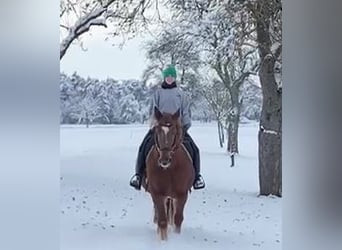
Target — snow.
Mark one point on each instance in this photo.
(99, 210)
(268, 131)
(275, 46)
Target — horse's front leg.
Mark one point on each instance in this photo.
(155, 217)
(180, 203)
(159, 203)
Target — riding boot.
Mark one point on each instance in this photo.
(139, 170)
(198, 182)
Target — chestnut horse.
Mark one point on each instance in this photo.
(169, 172)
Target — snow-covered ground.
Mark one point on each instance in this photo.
(99, 210)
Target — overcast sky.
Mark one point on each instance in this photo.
(102, 60)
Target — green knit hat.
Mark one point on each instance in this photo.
(170, 71)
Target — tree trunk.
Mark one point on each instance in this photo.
(270, 171)
(222, 132)
(235, 148)
(228, 139)
(233, 129)
(87, 120)
(233, 124)
(219, 133)
(270, 167)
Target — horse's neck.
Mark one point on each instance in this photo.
(182, 146)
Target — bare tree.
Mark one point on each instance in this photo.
(263, 19)
(78, 16)
(219, 100)
(231, 54)
(233, 73)
(87, 110)
(171, 47)
(218, 37)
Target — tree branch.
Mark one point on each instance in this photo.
(82, 26)
(64, 26)
(72, 5)
(62, 13)
(277, 51)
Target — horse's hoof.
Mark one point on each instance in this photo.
(177, 230)
(163, 233)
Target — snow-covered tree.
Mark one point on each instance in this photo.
(87, 110)
(129, 108)
(128, 101)
(121, 18)
(220, 38)
(218, 98)
(252, 99)
(106, 102)
(172, 47)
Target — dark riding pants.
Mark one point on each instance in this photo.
(144, 148)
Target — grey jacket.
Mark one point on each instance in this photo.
(169, 101)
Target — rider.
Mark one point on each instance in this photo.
(169, 98)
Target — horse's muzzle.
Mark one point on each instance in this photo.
(165, 163)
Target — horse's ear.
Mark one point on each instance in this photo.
(157, 113)
(176, 115)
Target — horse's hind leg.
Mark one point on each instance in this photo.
(180, 203)
(159, 202)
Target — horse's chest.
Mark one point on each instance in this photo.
(165, 178)
(178, 178)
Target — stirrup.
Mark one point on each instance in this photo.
(199, 183)
(135, 182)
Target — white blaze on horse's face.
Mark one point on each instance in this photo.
(166, 131)
(165, 141)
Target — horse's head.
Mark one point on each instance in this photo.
(168, 133)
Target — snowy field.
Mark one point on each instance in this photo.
(99, 210)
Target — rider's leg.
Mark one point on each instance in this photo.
(198, 182)
(140, 163)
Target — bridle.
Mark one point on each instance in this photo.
(174, 145)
